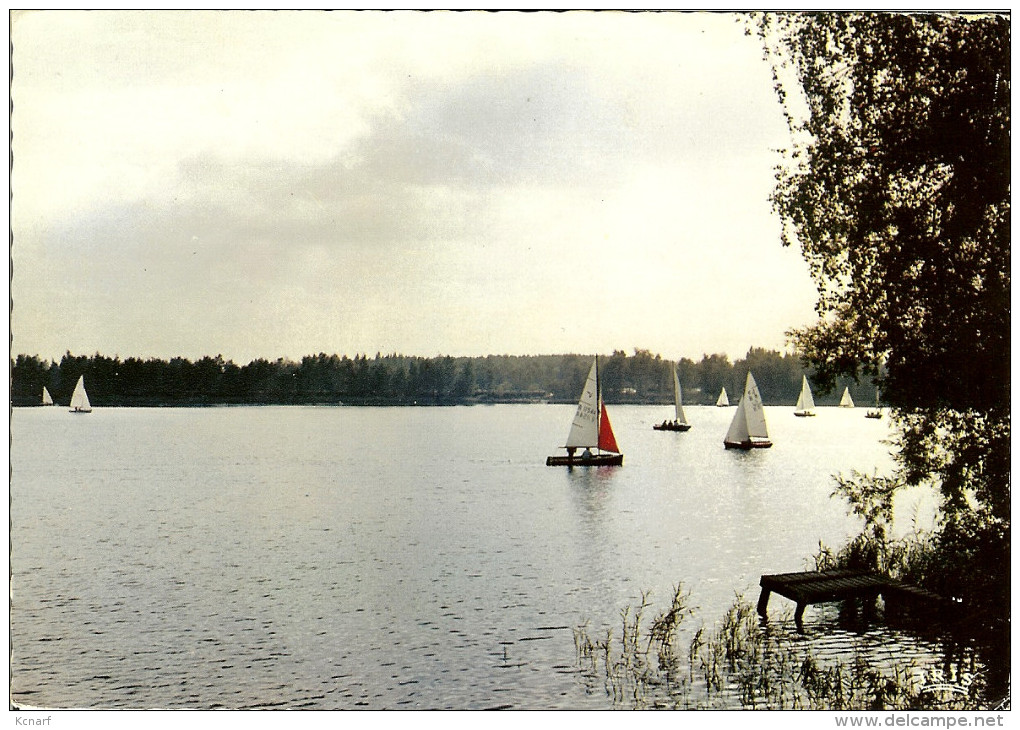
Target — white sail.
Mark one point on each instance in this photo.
(749, 420)
(47, 399)
(738, 426)
(805, 402)
(678, 399)
(723, 400)
(748, 429)
(584, 431)
(80, 399)
(846, 401)
(754, 410)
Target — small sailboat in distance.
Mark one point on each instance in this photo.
(47, 399)
(723, 400)
(806, 402)
(80, 399)
(875, 412)
(748, 429)
(590, 429)
(680, 422)
(846, 401)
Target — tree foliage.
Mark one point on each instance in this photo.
(898, 194)
(897, 190)
(400, 380)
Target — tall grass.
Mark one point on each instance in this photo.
(745, 662)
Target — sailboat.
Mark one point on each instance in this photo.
(748, 429)
(590, 429)
(875, 412)
(805, 403)
(846, 401)
(722, 401)
(680, 422)
(80, 399)
(47, 399)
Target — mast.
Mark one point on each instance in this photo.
(598, 407)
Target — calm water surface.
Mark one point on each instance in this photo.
(376, 558)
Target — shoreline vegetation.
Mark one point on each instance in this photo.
(641, 378)
(743, 661)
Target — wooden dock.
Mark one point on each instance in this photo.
(842, 585)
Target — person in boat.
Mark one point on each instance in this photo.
(570, 452)
(586, 455)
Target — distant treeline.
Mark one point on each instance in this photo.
(402, 380)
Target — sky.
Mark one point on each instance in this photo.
(279, 184)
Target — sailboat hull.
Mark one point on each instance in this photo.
(803, 414)
(873, 414)
(672, 427)
(748, 445)
(80, 410)
(593, 460)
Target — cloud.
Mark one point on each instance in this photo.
(424, 175)
(293, 183)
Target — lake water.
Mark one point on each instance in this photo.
(340, 558)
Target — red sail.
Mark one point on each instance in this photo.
(607, 441)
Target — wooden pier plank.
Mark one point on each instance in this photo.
(810, 587)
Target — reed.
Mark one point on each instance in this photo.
(743, 662)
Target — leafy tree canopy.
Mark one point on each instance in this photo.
(898, 193)
(897, 190)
